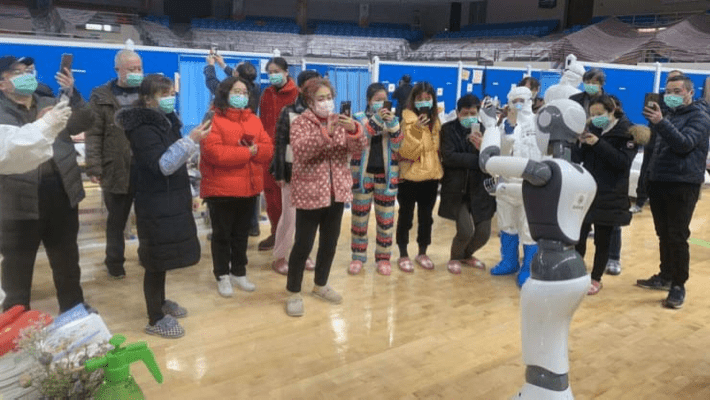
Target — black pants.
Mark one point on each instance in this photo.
(602, 241)
(57, 228)
(423, 195)
(231, 219)
(469, 236)
(325, 221)
(672, 206)
(119, 208)
(154, 291)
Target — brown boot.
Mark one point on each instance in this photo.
(268, 243)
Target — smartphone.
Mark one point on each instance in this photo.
(213, 49)
(651, 98)
(425, 110)
(208, 116)
(345, 108)
(248, 138)
(387, 105)
(67, 59)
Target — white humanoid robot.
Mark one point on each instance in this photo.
(557, 194)
(569, 82)
(518, 139)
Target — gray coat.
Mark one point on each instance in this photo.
(108, 152)
(19, 192)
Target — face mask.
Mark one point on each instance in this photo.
(421, 104)
(466, 122)
(324, 108)
(518, 106)
(167, 104)
(276, 79)
(377, 105)
(238, 101)
(25, 84)
(134, 79)
(673, 101)
(591, 89)
(601, 121)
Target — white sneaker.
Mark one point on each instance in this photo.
(635, 209)
(243, 283)
(224, 286)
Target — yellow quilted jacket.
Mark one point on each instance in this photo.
(419, 152)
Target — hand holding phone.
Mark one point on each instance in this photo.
(346, 108)
(248, 139)
(66, 63)
(650, 99)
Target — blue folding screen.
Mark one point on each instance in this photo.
(442, 77)
(350, 83)
(630, 86)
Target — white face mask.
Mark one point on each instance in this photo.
(324, 108)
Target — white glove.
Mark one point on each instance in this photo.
(488, 113)
(58, 116)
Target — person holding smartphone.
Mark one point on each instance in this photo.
(322, 143)
(232, 163)
(420, 171)
(375, 174)
(464, 198)
(167, 234)
(607, 150)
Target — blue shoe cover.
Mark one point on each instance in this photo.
(509, 252)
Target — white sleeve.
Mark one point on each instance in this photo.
(24, 148)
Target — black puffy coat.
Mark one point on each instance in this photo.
(463, 178)
(167, 232)
(680, 145)
(609, 161)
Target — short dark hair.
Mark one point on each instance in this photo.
(609, 105)
(373, 89)
(280, 62)
(247, 71)
(594, 73)
(221, 96)
(406, 78)
(305, 75)
(468, 101)
(534, 83)
(687, 83)
(419, 88)
(152, 84)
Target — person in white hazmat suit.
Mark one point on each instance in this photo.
(517, 139)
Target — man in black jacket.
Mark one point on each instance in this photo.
(675, 173)
(401, 94)
(40, 206)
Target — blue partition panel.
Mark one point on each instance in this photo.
(476, 88)
(630, 86)
(350, 83)
(440, 77)
(497, 82)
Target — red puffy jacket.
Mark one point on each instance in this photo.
(272, 101)
(227, 167)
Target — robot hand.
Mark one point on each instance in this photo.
(488, 114)
(491, 185)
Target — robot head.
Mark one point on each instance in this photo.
(574, 71)
(563, 120)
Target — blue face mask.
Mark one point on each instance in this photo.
(238, 101)
(421, 104)
(134, 79)
(167, 104)
(277, 79)
(591, 89)
(25, 84)
(377, 105)
(673, 101)
(466, 122)
(601, 121)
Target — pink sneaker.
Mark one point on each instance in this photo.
(355, 267)
(384, 267)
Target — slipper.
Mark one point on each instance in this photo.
(405, 264)
(454, 266)
(384, 267)
(475, 263)
(355, 267)
(424, 261)
(595, 288)
(280, 266)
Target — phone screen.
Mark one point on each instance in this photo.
(66, 62)
(345, 108)
(248, 138)
(425, 110)
(387, 105)
(651, 98)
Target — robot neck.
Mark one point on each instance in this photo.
(562, 150)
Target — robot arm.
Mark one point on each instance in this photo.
(536, 173)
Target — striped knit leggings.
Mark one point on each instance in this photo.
(374, 187)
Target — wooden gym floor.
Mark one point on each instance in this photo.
(426, 335)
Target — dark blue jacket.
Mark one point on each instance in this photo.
(680, 145)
